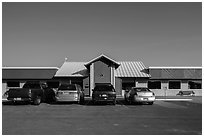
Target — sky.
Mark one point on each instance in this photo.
(158, 34)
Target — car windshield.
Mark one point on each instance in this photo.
(33, 86)
(104, 88)
(67, 87)
(141, 89)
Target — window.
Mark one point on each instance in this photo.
(67, 87)
(195, 84)
(104, 88)
(140, 89)
(13, 84)
(53, 84)
(154, 84)
(174, 85)
(127, 86)
(32, 85)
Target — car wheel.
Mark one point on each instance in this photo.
(130, 102)
(114, 101)
(37, 100)
(94, 102)
(14, 102)
(150, 103)
(81, 101)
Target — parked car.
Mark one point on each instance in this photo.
(139, 95)
(33, 92)
(70, 92)
(104, 93)
(186, 93)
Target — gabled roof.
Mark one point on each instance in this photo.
(28, 72)
(126, 69)
(102, 56)
(131, 69)
(72, 69)
(175, 72)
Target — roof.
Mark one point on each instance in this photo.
(72, 69)
(176, 73)
(173, 67)
(126, 69)
(28, 72)
(102, 56)
(131, 69)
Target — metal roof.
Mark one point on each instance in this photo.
(126, 69)
(101, 57)
(72, 69)
(28, 72)
(176, 73)
(131, 69)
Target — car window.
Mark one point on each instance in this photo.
(33, 86)
(79, 87)
(67, 87)
(141, 89)
(104, 88)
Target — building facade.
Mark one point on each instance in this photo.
(164, 81)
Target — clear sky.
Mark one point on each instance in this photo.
(158, 34)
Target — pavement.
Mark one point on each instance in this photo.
(161, 118)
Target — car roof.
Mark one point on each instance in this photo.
(139, 87)
(65, 84)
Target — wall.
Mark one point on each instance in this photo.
(118, 86)
(102, 72)
(141, 82)
(86, 86)
(164, 91)
(3, 88)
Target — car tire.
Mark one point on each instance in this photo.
(81, 102)
(114, 101)
(37, 100)
(130, 102)
(94, 102)
(150, 103)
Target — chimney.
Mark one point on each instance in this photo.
(66, 59)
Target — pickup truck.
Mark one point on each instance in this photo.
(33, 92)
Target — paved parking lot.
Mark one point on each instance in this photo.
(162, 118)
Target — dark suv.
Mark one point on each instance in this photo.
(104, 93)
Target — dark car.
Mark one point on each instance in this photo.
(33, 92)
(186, 93)
(104, 93)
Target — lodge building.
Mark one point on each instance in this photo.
(164, 81)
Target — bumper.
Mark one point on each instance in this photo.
(144, 99)
(19, 99)
(64, 99)
(105, 99)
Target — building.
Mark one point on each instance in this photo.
(164, 81)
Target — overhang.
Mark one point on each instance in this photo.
(175, 72)
(102, 56)
(28, 72)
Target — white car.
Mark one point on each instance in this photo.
(70, 92)
(140, 95)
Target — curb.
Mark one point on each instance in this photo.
(182, 99)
